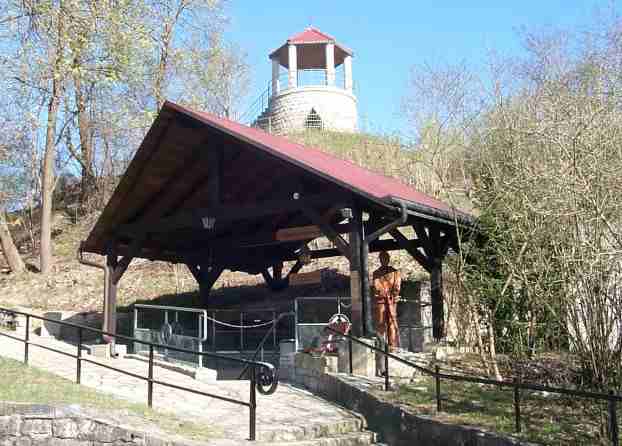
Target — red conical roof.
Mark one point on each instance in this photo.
(311, 35)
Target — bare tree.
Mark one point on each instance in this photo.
(11, 254)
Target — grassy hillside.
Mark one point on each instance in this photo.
(435, 169)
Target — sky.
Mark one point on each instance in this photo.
(388, 37)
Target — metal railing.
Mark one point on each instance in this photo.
(170, 332)
(517, 385)
(260, 347)
(306, 330)
(312, 78)
(304, 78)
(263, 377)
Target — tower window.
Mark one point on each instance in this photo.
(313, 120)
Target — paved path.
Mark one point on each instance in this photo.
(282, 416)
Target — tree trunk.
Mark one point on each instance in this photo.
(47, 190)
(86, 146)
(492, 348)
(11, 254)
(47, 174)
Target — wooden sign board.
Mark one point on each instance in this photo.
(310, 278)
(298, 233)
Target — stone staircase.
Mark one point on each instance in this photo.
(346, 432)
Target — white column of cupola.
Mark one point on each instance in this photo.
(276, 71)
(347, 71)
(293, 66)
(330, 64)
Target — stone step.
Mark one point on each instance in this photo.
(313, 431)
(363, 438)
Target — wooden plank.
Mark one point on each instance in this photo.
(309, 278)
(298, 233)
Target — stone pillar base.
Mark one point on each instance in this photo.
(51, 329)
(363, 359)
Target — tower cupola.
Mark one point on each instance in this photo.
(311, 87)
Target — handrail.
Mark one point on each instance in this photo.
(167, 308)
(265, 338)
(130, 339)
(526, 386)
(263, 377)
(612, 398)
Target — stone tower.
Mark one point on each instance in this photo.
(311, 86)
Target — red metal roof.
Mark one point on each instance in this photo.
(311, 35)
(347, 174)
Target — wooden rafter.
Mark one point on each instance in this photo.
(124, 263)
(196, 218)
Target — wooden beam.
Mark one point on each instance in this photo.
(195, 271)
(209, 278)
(124, 263)
(297, 267)
(328, 231)
(206, 276)
(411, 246)
(200, 218)
(422, 234)
(298, 233)
(274, 281)
(194, 257)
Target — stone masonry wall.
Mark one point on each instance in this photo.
(336, 107)
(40, 425)
(395, 425)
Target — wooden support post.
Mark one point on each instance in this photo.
(275, 280)
(356, 291)
(436, 294)
(368, 325)
(110, 298)
(206, 276)
(435, 248)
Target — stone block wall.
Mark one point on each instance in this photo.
(41, 425)
(288, 111)
(396, 425)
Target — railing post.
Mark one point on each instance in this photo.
(26, 339)
(437, 376)
(253, 405)
(517, 404)
(386, 366)
(79, 357)
(150, 378)
(350, 354)
(613, 419)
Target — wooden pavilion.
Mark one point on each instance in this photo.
(214, 195)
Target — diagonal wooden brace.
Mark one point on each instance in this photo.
(328, 231)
